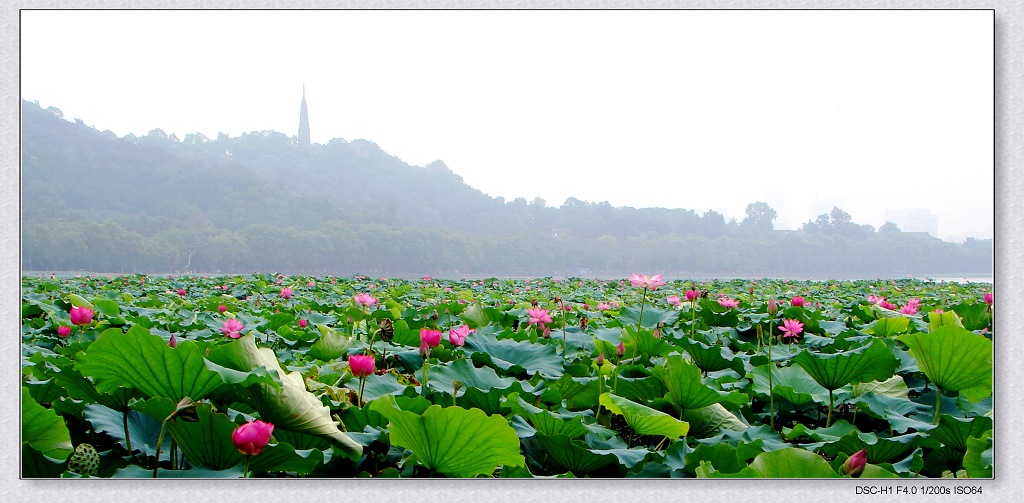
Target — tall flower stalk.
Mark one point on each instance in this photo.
(429, 339)
(647, 283)
(361, 366)
(773, 308)
(691, 296)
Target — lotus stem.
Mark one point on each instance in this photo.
(245, 468)
(359, 397)
(639, 322)
(693, 317)
(426, 373)
(159, 443)
(938, 405)
(828, 420)
(127, 437)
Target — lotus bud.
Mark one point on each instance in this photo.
(854, 465)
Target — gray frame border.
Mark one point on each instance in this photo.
(1009, 119)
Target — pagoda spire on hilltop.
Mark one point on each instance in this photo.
(303, 121)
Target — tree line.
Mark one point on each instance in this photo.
(257, 202)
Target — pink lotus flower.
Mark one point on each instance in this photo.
(232, 328)
(791, 329)
(909, 309)
(875, 299)
(310, 284)
(586, 307)
(457, 336)
(365, 299)
(887, 305)
(673, 300)
(286, 293)
(251, 438)
(604, 306)
(429, 337)
(797, 301)
(81, 315)
(173, 342)
(642, 281)
(988, 298)
(773, 306)
(181, 292)
(361, 365)
(620, 350)
(63, 331)
(854, 465)
(691, 295)
(303, 323)
(600, 359)
(727, 302)
(538, 315)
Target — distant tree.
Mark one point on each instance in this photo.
(759, 217)
(888, 227)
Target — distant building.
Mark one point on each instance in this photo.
(914, 220)
(303, 121)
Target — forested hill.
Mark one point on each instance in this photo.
(94, 201)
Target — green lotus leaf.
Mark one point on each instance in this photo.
(289, 406)
(974, 316)
(475, 316)
(685, 387)
(443, 377)
(879, 449)
(642, 343)
(547, 422)
(138, 472)
(938, 320)
(792, 384)
(578, 393)
(872, 362)
(80, 388)
(652, 316)
(453, 441)
(574, 455)
(36, 465)
(893, 387)
(506, 353)
(888, 327)
(145, 362)
(643, 419)
(953, 432)
(43, 429)
(788, 463)
(377, 386)
(207, 442)
(143, 430)
(953, 358)
(330, 345)
(79, 301)
(626, 456)
(978, 459)
(108, 307)
(711, 420)
(711, 358)
(724, 458)
(640, 389)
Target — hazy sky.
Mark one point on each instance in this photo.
(805, 110)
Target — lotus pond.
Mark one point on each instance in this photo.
(143, 376)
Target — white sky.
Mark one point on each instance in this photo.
(867, 110)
